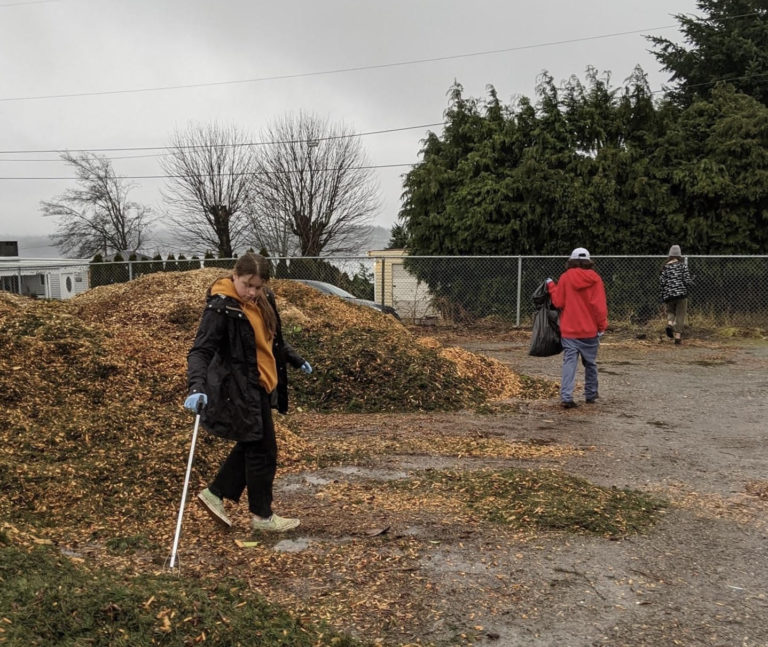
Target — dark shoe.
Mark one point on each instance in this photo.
(568, 404)
(591, 400)
(678, 341)
(669, 331)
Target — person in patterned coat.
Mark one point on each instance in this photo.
(675, 282)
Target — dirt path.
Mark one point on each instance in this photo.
(687, 422)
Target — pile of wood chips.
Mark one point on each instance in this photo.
(498, 382)
(94, 438)
(97, 384)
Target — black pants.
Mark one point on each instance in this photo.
(252, 465)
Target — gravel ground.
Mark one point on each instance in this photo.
(687, 422)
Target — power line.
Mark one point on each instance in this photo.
(193, 146)
(167, 177)
(749, 77)
(746, 77)
(360, 68)
(18, 4)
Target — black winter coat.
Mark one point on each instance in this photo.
(222, 364)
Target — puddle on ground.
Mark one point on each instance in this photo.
(317, 480)
(297, 483)
(292, 545)
(372, 473)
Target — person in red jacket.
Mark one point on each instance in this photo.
(580, 297)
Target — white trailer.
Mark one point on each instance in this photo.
(44, 278)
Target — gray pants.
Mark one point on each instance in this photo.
(572, 349)
(676, 312)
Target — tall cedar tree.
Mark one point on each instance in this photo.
(729, 43)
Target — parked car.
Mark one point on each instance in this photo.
(328, 288)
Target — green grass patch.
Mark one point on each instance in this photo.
(129, 545)
(47, 601)
(546, 500)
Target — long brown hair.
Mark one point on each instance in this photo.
(583, 263)
(250, 264)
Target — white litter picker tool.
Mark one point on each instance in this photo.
(172, 562)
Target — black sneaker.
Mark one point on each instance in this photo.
(669, 332)
(568, 404)
(591, 400)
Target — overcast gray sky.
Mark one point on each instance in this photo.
(219, 60)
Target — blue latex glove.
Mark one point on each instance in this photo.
(306, 367)
(196, 400)
(600, 334)
(548, 281)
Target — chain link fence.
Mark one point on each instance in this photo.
(727, 290)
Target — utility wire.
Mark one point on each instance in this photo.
(359, 68)
(18, 4)
(166, 177)
(343, 70)
(750, 77)
(728, 79)
(193, 146)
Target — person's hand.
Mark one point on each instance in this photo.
(306, 367)
(548, 281)
(196, 402)
(600, 334)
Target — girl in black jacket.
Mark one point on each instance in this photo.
(236, 370)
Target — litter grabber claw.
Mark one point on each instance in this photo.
(172, 561)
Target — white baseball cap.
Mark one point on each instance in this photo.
(580, 252)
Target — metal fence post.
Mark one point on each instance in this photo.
(383, 280)
(519, 289)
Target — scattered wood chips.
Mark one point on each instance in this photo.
(94, 440)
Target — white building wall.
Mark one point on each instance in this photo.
(33, 285)
(65, 284)
(395, 286)
(44, 279)
(410, 297)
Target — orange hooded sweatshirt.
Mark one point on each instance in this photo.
(265, 358)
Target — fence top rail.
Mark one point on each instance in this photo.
(42, 262)
(28, 263)
(594, 256)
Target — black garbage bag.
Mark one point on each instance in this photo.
(545, 338)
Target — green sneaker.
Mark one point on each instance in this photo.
(274, 523)
(214, 506)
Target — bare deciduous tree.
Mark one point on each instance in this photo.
(313, 190)
(211, 174)
(97, 217)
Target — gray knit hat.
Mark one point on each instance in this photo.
(675, 251)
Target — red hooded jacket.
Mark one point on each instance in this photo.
(580, 297)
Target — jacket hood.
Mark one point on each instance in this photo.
(582, 279)
(224, 287)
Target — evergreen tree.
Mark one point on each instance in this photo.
(729, 42)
